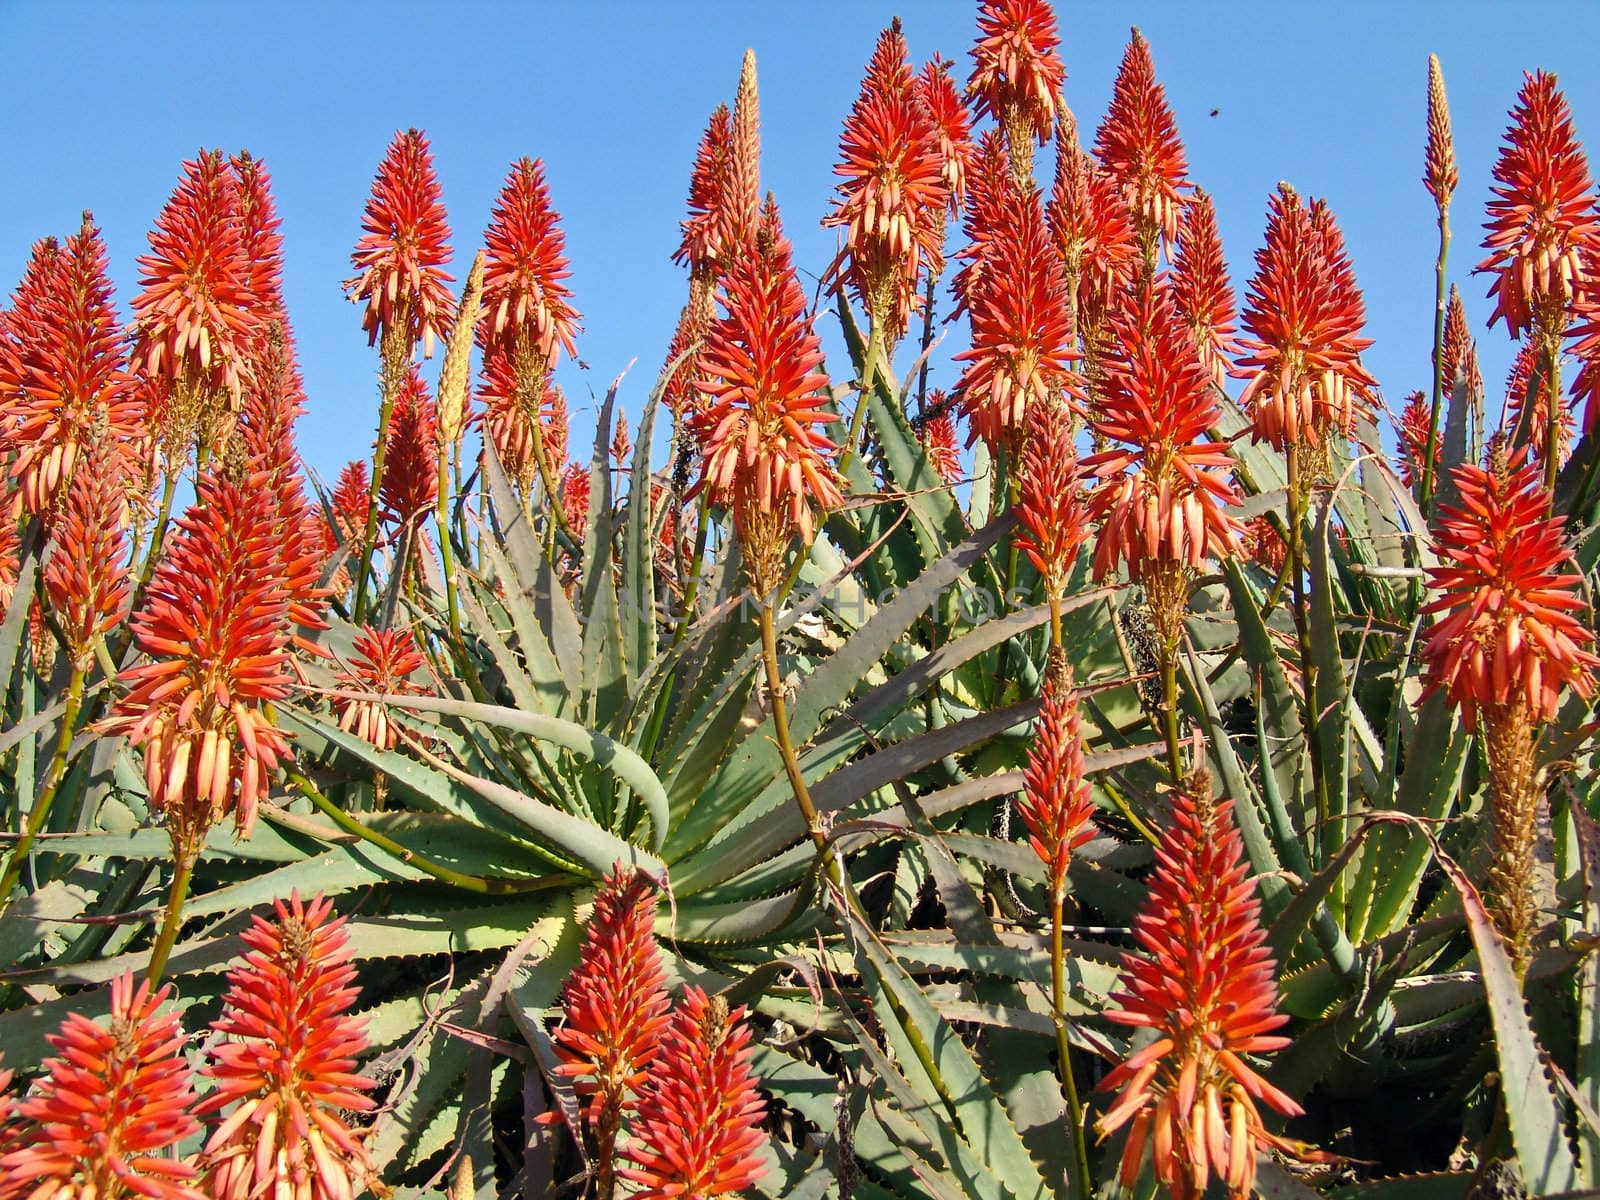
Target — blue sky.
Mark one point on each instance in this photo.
(105, 100)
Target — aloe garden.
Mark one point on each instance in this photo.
(1084, 764)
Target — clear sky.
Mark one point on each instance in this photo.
(103, 102)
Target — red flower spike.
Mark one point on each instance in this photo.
(707, 243)
(988, 195)
(575, 491)
(62, 377)
(1504, 632)
(1459, 353)
(525, 296)
(1304, 316)
(620, 446)
(351, 498)
(1093, 233)
(508, 420)
(762, 448)
(1164, 494)
(1263, 546)
(953, 123)
(1138, 143)
(10, 554)
(410, 487)
(1206, 984)
(1057, 800)
(384, 662)
(615, 1000)
(86, 578)
(1200, 288)
(1016, 69)
(260, 235)
(215, 627)
(197, 317)
(286, 1064)
(893, 197)
(1021, 328)
(1412, 433)
(1544, 236)
(1439, 172)
(939, 438)
(698, 1132)
(401, 254)
(1050, 504)
(105, 1112)
(1539, 420)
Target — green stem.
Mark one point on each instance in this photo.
(1552, 458)
(1308, 662)
(780, 728)
(691, 588)
(182, 873)
(1426, 490)
(369, 535)
(158, 534)
(1081, 1189)
(441, 518)
(927, 340)
(41, 805)
(869, 376)
(1169, 714)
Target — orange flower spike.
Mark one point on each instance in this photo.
(575, 490)
(1138, 143)
(705, 248)
(1504, 631)
(62, 372)
(1050, 506)
(1263, 546)
(1459, 353)
(620, 445)
(1017, 74)
(939, 438)
(410, 485)
(1439, 172)
(1093, 232)
(1544, 234)
(1200, 288)
(953, 122)
(1057, 801)
(197, 317)
(765, 397)
(1164, 494)
(1411, 430)
(742, 202)
(286, 1063)
(401, 254)
(86, 578)
(260, 232)
(1538, 430)
(698, 1128)
(1021, 329)
(350, 498)
(1205, 983)
(105, 1112)
(384, 662)
(988, 192)
(215, 627)
(525, 270)
(893, 195)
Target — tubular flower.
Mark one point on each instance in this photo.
(197, 317)
(259, 232)
(1207, 986)
(1057, 800)
(698, 1129)
(893, 197)
(1021, 329)
(1412, 432)
(1093, 233)
(1163, 498)
(953, 123)
(1506, 594)
(1263, 546)
(620, 446)
(527, 306)
(615, 1004)
(575, 489)
(351, 498)
(106, 1110)
(1200, 288)
(215, 625)
(1017, 74)
(1459, 353)
(384, 662)
(988, 193)
(1439, 172)
(1504, 645)
(510, 417)
(401, 254)
(1050, 503)
(1138, 143)
(939, 438)
(86, 578)
(410, 485)
(681, 394)
(1538, 429)
(1586, 329)
(1304, 316)
(62, 380)
(708, 239)
(763, 455)
(287, 1062)
(1544, 237)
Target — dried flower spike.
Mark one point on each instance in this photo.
(286, 1064)
(1439, 173)
(1206, 984)
(106, 1113)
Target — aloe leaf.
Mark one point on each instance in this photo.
(1587, 1070)
(1331, 699)
(1441, 1185)
(16, 614)
(604, 671)
(1280, 710)
(639, 547)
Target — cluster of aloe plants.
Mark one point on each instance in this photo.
(909, 777)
